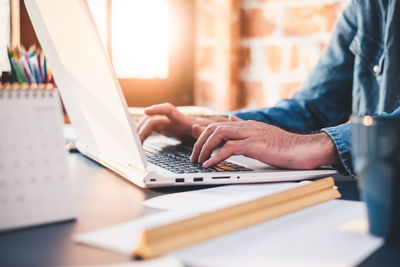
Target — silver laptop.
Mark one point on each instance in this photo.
(99, 114)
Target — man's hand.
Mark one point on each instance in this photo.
(266, 143)
(166, 119)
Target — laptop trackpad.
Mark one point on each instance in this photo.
(251, 163)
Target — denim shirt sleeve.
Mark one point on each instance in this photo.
(341, 136)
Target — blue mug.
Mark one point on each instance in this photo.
(376, 161)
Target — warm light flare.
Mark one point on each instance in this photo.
(140, 38)
(368, 120)
(99, 13)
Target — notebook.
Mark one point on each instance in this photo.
(35, 187)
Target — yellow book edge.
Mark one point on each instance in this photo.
(163, 239)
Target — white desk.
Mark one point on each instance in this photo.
(105, 199)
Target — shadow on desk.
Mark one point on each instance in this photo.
(31, 243)
(387, 255)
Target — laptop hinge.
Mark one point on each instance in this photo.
(130, 172)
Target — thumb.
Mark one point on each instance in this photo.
(197, 130)
(234, 118)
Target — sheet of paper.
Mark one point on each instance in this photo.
(316, 236)
(162, 261)
(329, 234)
(124, 238)
(215, 198)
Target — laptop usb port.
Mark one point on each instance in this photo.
(179, 180)
(197, 179)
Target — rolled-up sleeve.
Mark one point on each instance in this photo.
(341, 137)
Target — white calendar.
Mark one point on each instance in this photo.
(35, 187)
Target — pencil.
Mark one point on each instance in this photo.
(163, 239)
(39, 66)
(19, 74)
(13, 73)
(46, 76)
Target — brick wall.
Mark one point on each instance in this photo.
(216, 53)
(251, 53)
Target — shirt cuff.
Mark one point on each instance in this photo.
(341, 136)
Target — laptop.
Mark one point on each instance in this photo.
(99, 114)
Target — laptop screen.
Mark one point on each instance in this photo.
(86, 79)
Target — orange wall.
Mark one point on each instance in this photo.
(273, 45)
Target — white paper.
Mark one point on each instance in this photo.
(315, 236)
(69, 132)
(124, 238)
(162, 261)
(215, 198)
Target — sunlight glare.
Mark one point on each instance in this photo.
(99, 13)
(140, 34)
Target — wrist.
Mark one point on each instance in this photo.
(316, 150)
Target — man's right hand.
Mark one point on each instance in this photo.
(167, 120)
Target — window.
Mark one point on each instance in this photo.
(151, 46)
(140, 34)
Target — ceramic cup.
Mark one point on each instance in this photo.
(376, 161)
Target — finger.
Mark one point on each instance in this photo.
(197, 130)
(144, 120)
(201, 140)
(221, 134)
(234, 118)
(229, 149)
(157, 123)
(166, 109)
(141, 122)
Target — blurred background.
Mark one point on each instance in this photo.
(222, 54)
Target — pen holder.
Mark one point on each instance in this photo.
(376, 160)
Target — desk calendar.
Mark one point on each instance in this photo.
(35, 187)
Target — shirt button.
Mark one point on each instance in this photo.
(376, 68)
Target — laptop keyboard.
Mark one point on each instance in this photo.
(175, 158)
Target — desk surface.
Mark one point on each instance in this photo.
(104, 199)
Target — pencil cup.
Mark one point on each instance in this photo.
(376, 160)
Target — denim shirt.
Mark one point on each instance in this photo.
(359, 73)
